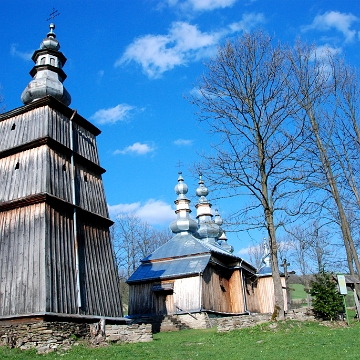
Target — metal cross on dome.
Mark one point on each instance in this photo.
(53, 14)
(179, 165)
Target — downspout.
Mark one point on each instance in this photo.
(200, 292)
(73, 190)
(243, 288)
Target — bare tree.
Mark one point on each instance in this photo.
(256, 253)
(316, 82)
(248, 105)
(133, 240)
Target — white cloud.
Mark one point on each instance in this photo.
(152, 211)
(334, 20)
(20, 54)
(183, 142)
(159, 53)
(248, 22)
(324, 50)
(184, 43)
(201, 5)
(112, 115)
(136, 148)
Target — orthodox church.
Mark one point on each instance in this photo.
(56, 257)
(196, 271)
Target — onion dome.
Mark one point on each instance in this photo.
(224, 244)
(265, 268)
(48, 76)
(218, 220)
(208, 230)
(183, 223)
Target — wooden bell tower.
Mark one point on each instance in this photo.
(56, 257)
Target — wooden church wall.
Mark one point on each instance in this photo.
(222, 291)
(85, 144)
(184, 297)
(142, 299)
(187, 293)
(236, 292)
(260, 297)
(47, 122)
(35, 124)
(91, 194)
(252, 303)
(22, 269)
(37, 243)
(23, 174)
(100, 288)
(61, 294)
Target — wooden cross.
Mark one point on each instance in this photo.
(54, 14)
(179, 165)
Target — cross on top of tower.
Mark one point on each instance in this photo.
(179, 165)
(53, 14)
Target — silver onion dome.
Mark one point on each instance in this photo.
(208, 230)
(224, 244)
(183, 223)
(48, 76)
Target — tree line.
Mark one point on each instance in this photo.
(285, 120)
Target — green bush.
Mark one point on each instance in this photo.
(327, 301)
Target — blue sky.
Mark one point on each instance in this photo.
(131, 63)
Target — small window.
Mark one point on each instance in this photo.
(85, 178)
(13, 126)
(42, 61)
(17, 166)
(64, 167)
(52, 61)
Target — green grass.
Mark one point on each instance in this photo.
(298, 292)
(289, 340)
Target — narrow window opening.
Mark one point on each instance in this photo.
(17, 166)
(13, 126)
(64, 167)
(52, 61)
(42, 61)
(85, 178)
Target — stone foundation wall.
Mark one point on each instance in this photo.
(44, 336)
(129, 333)
(243, 321)
(48, 336)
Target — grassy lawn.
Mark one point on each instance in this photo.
(298, 292)
(290, 340)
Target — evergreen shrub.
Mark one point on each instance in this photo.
(327, 302)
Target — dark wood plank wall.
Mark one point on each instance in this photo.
(47, 122)
(100, 287)
(61, 294)
(42, 170)
(252, 301)
(141, 299)
(22, 174)
(90, 190)
(37, 268)
(216, 294)
(37, 123)
(144, 301)
(85, 144)
(22, 266)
